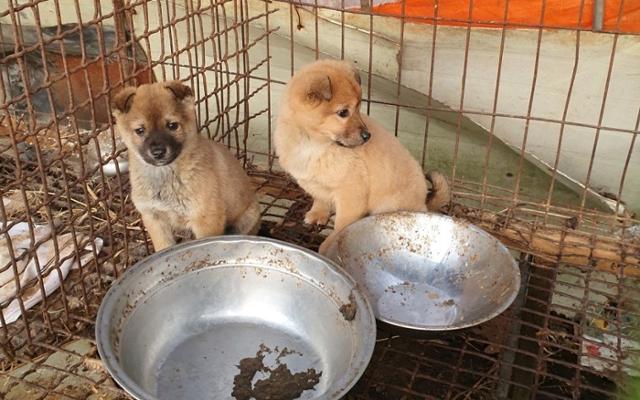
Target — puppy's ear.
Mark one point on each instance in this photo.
(320, 89)
(180, 91)
(122, 101)
(356, 74)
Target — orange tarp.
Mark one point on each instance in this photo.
(557, 13)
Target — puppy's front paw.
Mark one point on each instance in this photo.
(324, 247)
(327, 243)
(318, 217)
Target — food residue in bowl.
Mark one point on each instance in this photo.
(281, 384)
(348, 310)
(449, 303)
(432, 295)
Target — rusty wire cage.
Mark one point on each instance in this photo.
(534, 121)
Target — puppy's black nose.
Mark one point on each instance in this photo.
(158, 151)
(365, 135)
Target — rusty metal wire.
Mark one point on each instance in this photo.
(61, 61)
(534, 349)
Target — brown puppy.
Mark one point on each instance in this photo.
(345, 160)
(179, 178)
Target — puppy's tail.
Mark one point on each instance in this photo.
(249, 222)
(440, 193)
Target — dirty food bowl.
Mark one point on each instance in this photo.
(178, 324)
(428, 271)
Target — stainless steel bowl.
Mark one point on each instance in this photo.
(177, 324)
(428, 271)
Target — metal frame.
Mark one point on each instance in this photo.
(531, 351)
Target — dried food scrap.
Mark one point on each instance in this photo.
(242, 382)
(349, 310)
(281, 384)
(285, 352)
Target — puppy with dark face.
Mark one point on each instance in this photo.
(345, 160)
(179, 178)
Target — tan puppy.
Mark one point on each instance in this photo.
(179, 179)
(345, 160)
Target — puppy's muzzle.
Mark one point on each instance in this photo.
(157, 151)
(160, 148)
(354, 140)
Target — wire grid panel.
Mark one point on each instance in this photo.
(65, 210)
(550, 94)
(566, 337)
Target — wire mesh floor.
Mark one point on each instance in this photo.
(551, 344)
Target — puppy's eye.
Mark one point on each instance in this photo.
(344, 113)
(139, 131)
(172, 126)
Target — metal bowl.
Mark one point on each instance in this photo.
(178, 324)
(427, 271)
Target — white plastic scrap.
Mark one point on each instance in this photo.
(28, 268)
(601, 355)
